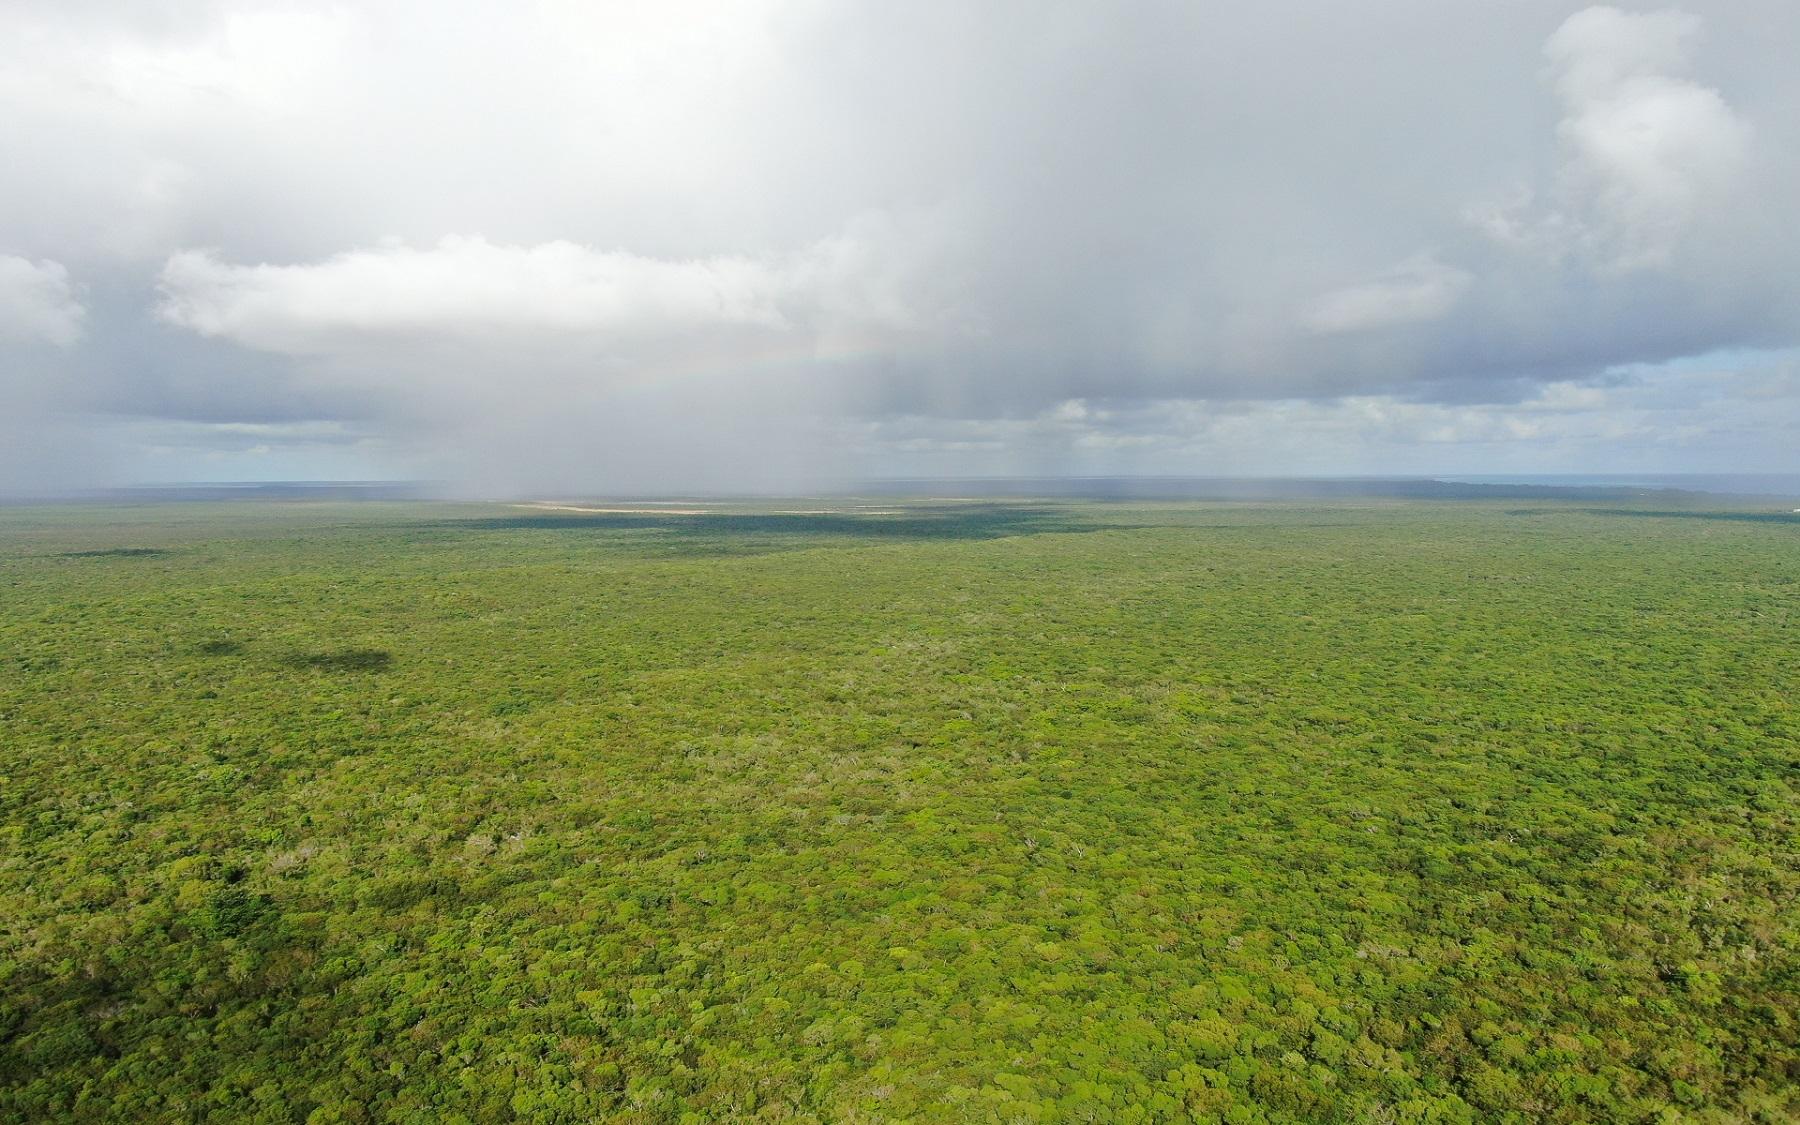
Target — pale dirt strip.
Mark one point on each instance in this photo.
(857, 510)
(547, 507)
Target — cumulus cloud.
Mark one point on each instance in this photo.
(704, 242)
(1648, 151)
(468, 287)
(465, 286)
(38, 302)
(1655, 170)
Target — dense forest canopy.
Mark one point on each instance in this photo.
(1373, 810)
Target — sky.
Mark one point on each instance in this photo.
(776, 245)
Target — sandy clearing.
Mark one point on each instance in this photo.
(547, 507)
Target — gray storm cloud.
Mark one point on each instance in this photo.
(771, 244)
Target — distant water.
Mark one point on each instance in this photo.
(1730, 484)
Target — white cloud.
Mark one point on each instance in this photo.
(868, 277)
(465, 286)
(1649, 155)
(1419, 289)
(1601, 50)
(267, 60)
(38, 303)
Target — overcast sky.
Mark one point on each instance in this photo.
(768, 244)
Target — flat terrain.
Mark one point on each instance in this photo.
(1378, 811)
